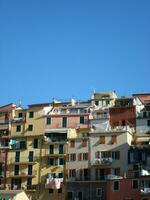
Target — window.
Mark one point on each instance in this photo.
(81, 119)
(80, 156)
(80, 196)
(61, 161)
(148, 122)
(84, 143)
(144, 114)
(113, 139)
(61, 149)
(60, 190)
(51, 149)
(115, 155)
(70, 195)
(51, 161)
(30, 156)
(64, 122)
(98, 192)
(72, 143)
(31, 114)
(73, 157)
(48, 120)
(16, 170)
(29, 181)
(117, 171)
(85, 156)
(60, 175)
(20, 115)
(116, 185)
(107, 102)
(29, 169)
(72, 173)
(30, 127)
(23, 144)
(18, 128)
(102, 140)
(35, 143)
(97, 103)
(17, 158)
(135, 184)
(50, 191)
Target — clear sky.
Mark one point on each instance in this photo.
(68, 48)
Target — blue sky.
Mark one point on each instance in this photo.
(68, 48)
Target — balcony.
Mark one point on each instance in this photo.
(103, 161)
(4, 145)
(31, 188)
(22, 161)
(18, 120)
(22, 174)
(133, 174)
(4, 125)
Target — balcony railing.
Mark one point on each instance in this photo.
(21, 174)
(22, 160)
(18, 119)
(103, 161)
(31, 187)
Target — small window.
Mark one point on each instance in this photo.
(102, 140)
(61, 149)
(64, 122)
(72, 173)
(135, 184)
(29, 181)
(35, 143)
(30, 127)
(79, 156)
(17, 157)
(48, 120)
(60, 190)
(148, 122)
(18, 128)
(80, 195)
(72, 143)
(51, 149)
(61, 161)
(60, 175)
(81, 119)
(144, 114)
(16, 171)
(23, 144)
(84, 143)
(97, 103)
(31, 114)
(70, 195)
(73, 157)
(116, 185)
(50, 191)
(107, 102)
(85, 156)
(20, 115)
(51, 161)
(113, 139)
(98, 192)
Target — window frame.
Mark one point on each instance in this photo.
(97, 192)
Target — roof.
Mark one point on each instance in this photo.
(7, 106)
(38, 105)
(144, 98)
